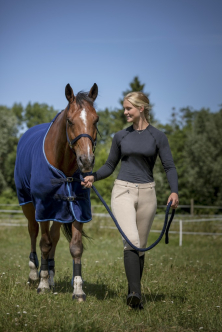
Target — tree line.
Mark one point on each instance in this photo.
(195, 139)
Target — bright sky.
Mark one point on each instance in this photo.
(174, 46)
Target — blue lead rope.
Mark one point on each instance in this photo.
(166, 225)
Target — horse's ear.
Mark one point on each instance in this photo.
(93, 93)
(69, 94)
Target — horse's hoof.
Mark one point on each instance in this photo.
(44, 282)
(78, 293)
(42, 290)
(79, 298)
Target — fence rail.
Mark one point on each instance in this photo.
(106, 215)
(190, 206)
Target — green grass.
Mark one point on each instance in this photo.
(181, 286)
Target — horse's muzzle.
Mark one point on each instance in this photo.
(86, 162)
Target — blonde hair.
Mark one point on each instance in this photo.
(138, 99)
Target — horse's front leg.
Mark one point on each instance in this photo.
(76, 249)
(45, 247)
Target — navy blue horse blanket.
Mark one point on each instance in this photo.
(55, 197)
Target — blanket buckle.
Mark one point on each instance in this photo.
(70, 198)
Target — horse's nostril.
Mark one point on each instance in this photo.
(86, 162)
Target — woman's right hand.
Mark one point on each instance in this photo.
(88, 181)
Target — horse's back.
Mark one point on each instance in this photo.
(29, 147)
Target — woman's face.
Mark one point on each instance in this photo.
(131, 112)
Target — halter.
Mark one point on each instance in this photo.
(78, 137)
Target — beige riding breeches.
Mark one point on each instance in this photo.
(134, 206)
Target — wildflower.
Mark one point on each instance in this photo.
(24, 312)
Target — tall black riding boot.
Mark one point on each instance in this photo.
(141, 265)
(141, 273)
(132, 268)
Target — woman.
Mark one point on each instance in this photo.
(133, 199)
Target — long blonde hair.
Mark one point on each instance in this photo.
(138, 99)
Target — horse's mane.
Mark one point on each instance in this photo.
(83, 96)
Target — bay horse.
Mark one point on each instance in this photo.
(49, 164)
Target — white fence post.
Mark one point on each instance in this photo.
(181, 233)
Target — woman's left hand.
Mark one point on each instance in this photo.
(174, 199)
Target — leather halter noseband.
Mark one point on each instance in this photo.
(77, 138)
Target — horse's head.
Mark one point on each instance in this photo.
(82, 119)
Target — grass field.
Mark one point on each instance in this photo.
(181, 286)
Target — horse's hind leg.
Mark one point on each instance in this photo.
(54, 235)
(33, 228)
(45, 246)
(76, 249)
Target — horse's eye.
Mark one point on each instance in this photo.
(69, 122)
(96, 122)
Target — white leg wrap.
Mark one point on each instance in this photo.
(33, 275)
(78, 292)
(44, 282)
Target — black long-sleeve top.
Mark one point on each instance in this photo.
(138, 151)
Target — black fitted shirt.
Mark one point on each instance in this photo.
(138, 151)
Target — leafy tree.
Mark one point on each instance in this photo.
(203, 157)
(177, 132)
(38, 113)
(8, 144)
(105, 127)
(13, 121)
(105, 186)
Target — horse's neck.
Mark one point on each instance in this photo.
(57, 150)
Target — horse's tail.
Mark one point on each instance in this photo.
(67, 231)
